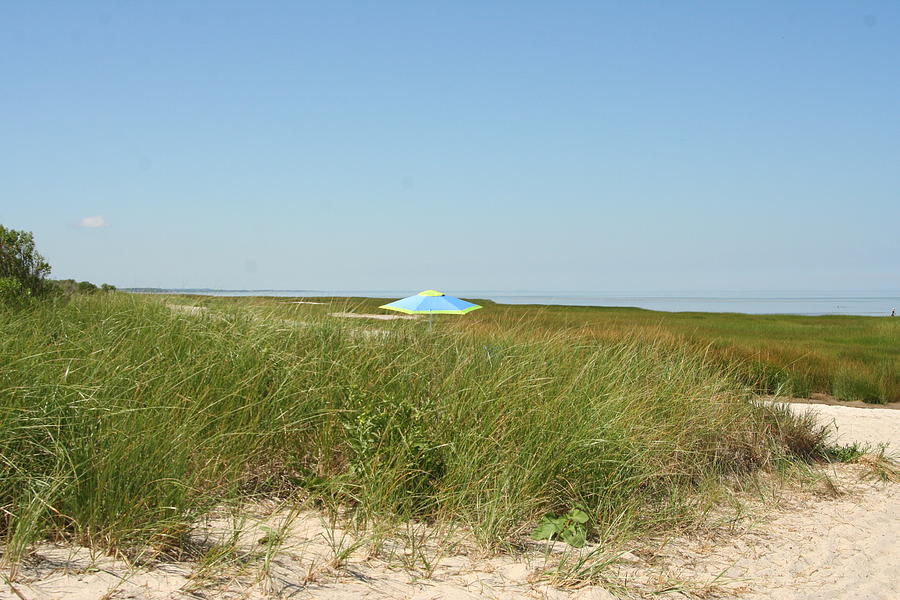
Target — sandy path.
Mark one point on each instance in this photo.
(845, 548)
(857, 425)
(347, 315)
(812, 545)
(197, 311)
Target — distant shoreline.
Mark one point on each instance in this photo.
(863, 303)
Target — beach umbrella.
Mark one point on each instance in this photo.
(431, 303)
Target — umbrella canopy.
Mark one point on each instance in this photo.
(431, 302)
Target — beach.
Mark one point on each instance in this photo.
(546, 301)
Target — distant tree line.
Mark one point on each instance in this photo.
(70, 286)
(23, 272)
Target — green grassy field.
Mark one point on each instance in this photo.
(124, 421)
(849, 358)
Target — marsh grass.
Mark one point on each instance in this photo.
(847, 357)
(123, 422)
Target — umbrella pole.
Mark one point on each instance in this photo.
(430, 316)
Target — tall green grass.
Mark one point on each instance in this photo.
(123, 421)
(847, 357)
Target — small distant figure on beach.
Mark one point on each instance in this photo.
(893, 312)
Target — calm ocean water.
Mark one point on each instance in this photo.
(794, 303)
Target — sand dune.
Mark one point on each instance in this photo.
(814, 543)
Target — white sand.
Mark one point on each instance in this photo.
(807, 545)
(346, 315)
(857, 425)
(813, 544)
(190, 310)
(844, 548)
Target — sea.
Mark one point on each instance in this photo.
(861, 303)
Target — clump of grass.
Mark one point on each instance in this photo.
(124, 421)
(880, 467)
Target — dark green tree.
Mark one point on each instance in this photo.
(20, 262)
(86, 287)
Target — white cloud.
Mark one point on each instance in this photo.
(97, 221)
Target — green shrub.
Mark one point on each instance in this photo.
(12, 294)
(86, 287)
(19, 260)
(389, 434)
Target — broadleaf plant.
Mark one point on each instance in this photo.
(569, 527)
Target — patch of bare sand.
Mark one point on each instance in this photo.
(810, 545)
(836, 541)
(190, 310)
(55, 572)
(817, 398)
(850, 425)
(316, 559)
(347, 315)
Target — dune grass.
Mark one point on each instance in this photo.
(847, 357)
(123, 421)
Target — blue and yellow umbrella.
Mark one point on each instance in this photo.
(431, 302)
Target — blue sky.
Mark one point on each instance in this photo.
(456, 145)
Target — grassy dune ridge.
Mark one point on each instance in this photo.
(847, 357)
(123, 421)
